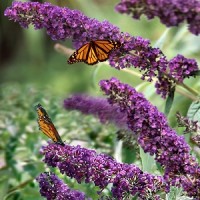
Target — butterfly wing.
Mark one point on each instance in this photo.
(94, 51)
(84, 54)
(104, 47)
(46, 125)
(91, 55)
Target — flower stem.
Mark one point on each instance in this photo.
(62, 49)
(194, 92)
(178, 89)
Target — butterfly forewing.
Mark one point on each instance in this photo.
(78, 55)
(102, 56)
(81, 55)
(107, 46)
(46, 125)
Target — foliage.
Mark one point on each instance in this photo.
(21, 139)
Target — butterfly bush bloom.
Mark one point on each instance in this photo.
(98, 107)
(170, 12)
(86, 165)
(52, 188)
(63, 23)
(155, 136)
(181, 67)
(107, 113)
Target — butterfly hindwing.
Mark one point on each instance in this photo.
(46, 125)
(92, 56)
(94, 51)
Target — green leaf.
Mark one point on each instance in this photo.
(94, 75)
(195, 73)
(161, 41)
(148, 162)
(4, 174)
(169, 101)
(176, 194)
(31, 169)
(194, 111)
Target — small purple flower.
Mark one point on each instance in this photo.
(196, 140)
(155, 135)
(141, 55)
(181, 67)
(164, 85)
(88, 166)
(52, 188)
(170, 12)
(99, 107)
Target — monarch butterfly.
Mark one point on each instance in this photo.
(46, 125)
(94, 52)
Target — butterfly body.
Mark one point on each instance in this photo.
(47, 126)
(94, 52)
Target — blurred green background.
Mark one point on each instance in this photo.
(31, 71)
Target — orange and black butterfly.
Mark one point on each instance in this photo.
(46, 125)
(94, 52)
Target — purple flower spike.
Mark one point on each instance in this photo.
(141, 55)
(52, 188)
(170, 12)
(155, 135)
(181, 67)
(98, 107)
(62, 23)
(164, 85)
(86, 165)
